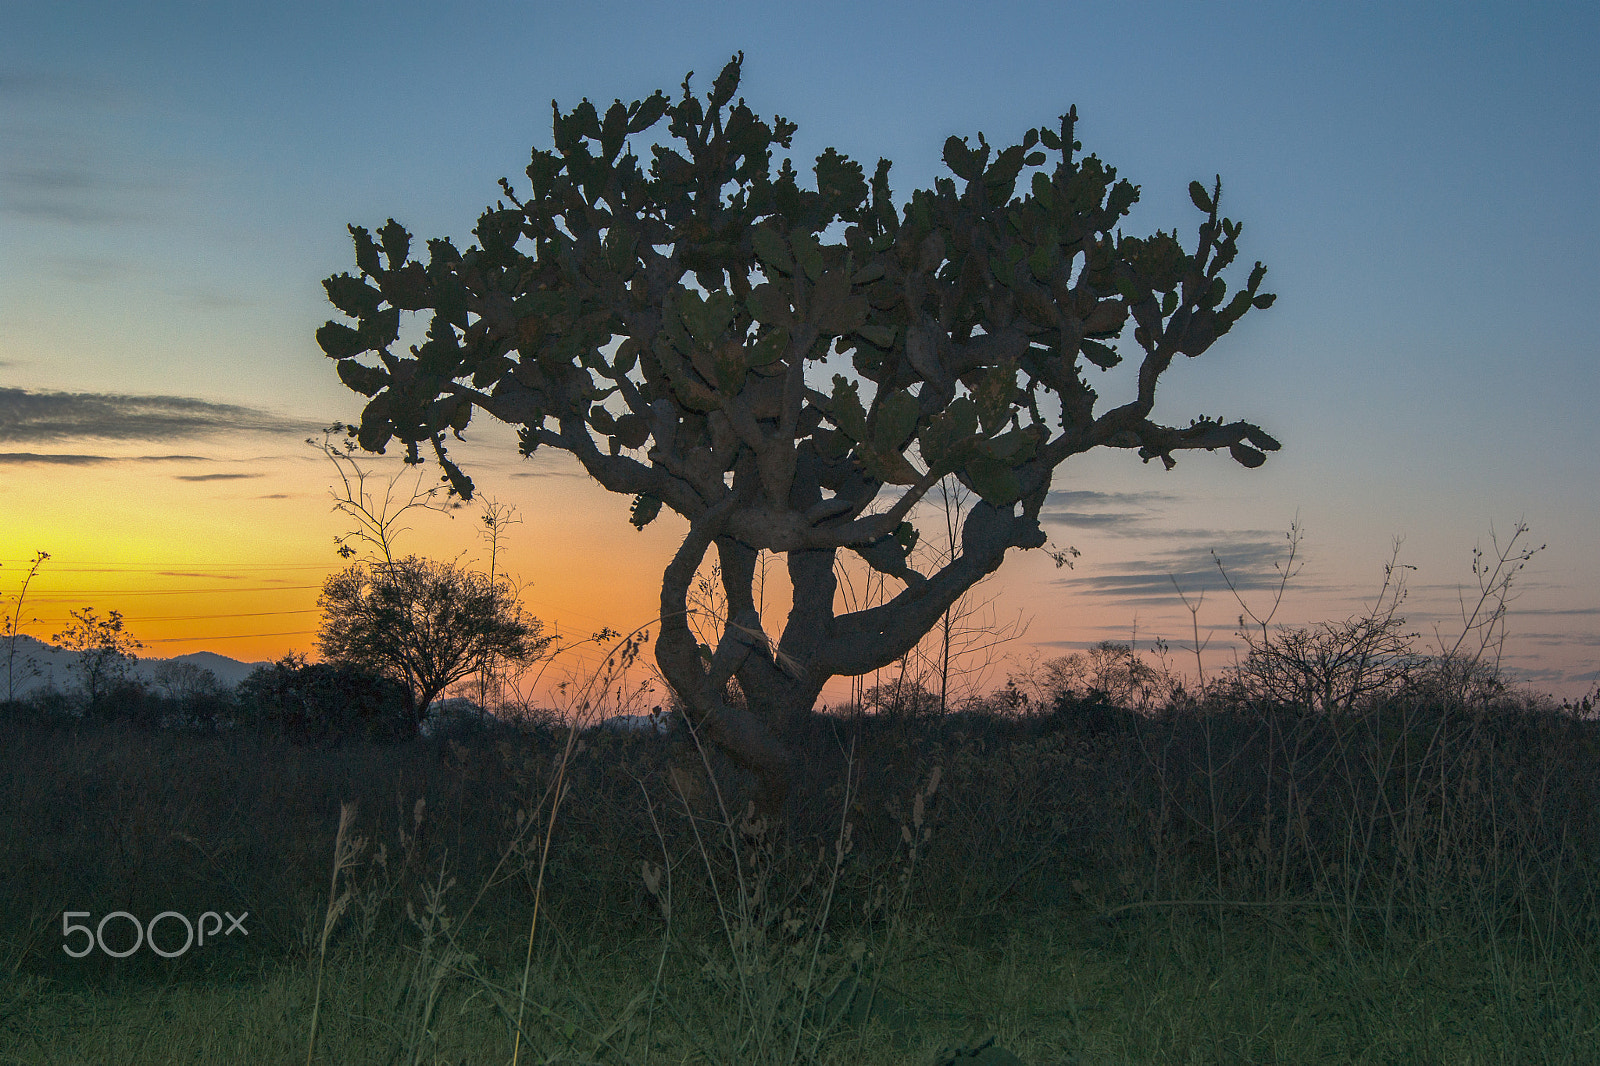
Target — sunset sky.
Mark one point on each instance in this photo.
(1421, 179)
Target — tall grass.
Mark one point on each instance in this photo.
(1217, 876)
(1414, 879)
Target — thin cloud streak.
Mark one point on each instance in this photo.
(29, 417)
(1079, 509)
(49, 204)
(1084, 497)
(548, 473)
(1563, 611)
(34, 458)
(54, 459)
(43, 85)
(75, 162)
(1250, 567)
(214, 477)
(16, 458)
(1580, 640)
(1080, 520)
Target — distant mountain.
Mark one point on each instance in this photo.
(36, 664)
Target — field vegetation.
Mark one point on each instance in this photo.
(1100, 862)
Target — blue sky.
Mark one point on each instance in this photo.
(1422, 180)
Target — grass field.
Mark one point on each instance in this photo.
(1414, 881)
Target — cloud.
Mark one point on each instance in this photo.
(19, 86)
(1561, 611)
(1119, 636)
(213, 477)
(75, 156)
(30, 417)
(1081, 520)
(90, 269)
(1084, 497)
(51, 179)
(17, 458)
(67, 171)
(60, 459)
(216, 300)
(1131, 514)
(577, 472)
(61, 193)
(55, 459)
(1249, 567)
(1561, 640)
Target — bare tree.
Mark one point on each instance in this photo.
(496, 517)
(1110, 670)
(1469, 673)
(375, 519)
(1334, 666)
(423, 623)
(196, 690)
(1331, 665)
(13, 628)
(955, 659)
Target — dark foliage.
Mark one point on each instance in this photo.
(127, 699)
(325, 703)
(426, 623)
(975, 318)
(1490, 809)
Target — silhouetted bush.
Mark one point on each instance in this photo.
(194, 697)
(323, 703)
(20, 712)
(126, 699)
(1092, 714)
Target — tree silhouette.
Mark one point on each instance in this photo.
(325, 702)
(663, 328)
(425, 623)
(106, 652)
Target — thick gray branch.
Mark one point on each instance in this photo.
(873, 638)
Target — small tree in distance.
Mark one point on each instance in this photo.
(664, 327)
(105, 652)
(425, 623)
(197, 693)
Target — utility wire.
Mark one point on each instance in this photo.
(207, 617)
(77, 594)
(232, 636)
(89, 567)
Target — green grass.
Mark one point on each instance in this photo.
(1415, 883)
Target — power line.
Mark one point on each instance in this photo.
(84, 566)
(233, 636)
(76, 594)
(230, 614)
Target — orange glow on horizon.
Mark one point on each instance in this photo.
(235, 564)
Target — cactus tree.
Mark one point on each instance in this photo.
(672, 328)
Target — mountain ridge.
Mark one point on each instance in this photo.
(53, 666)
